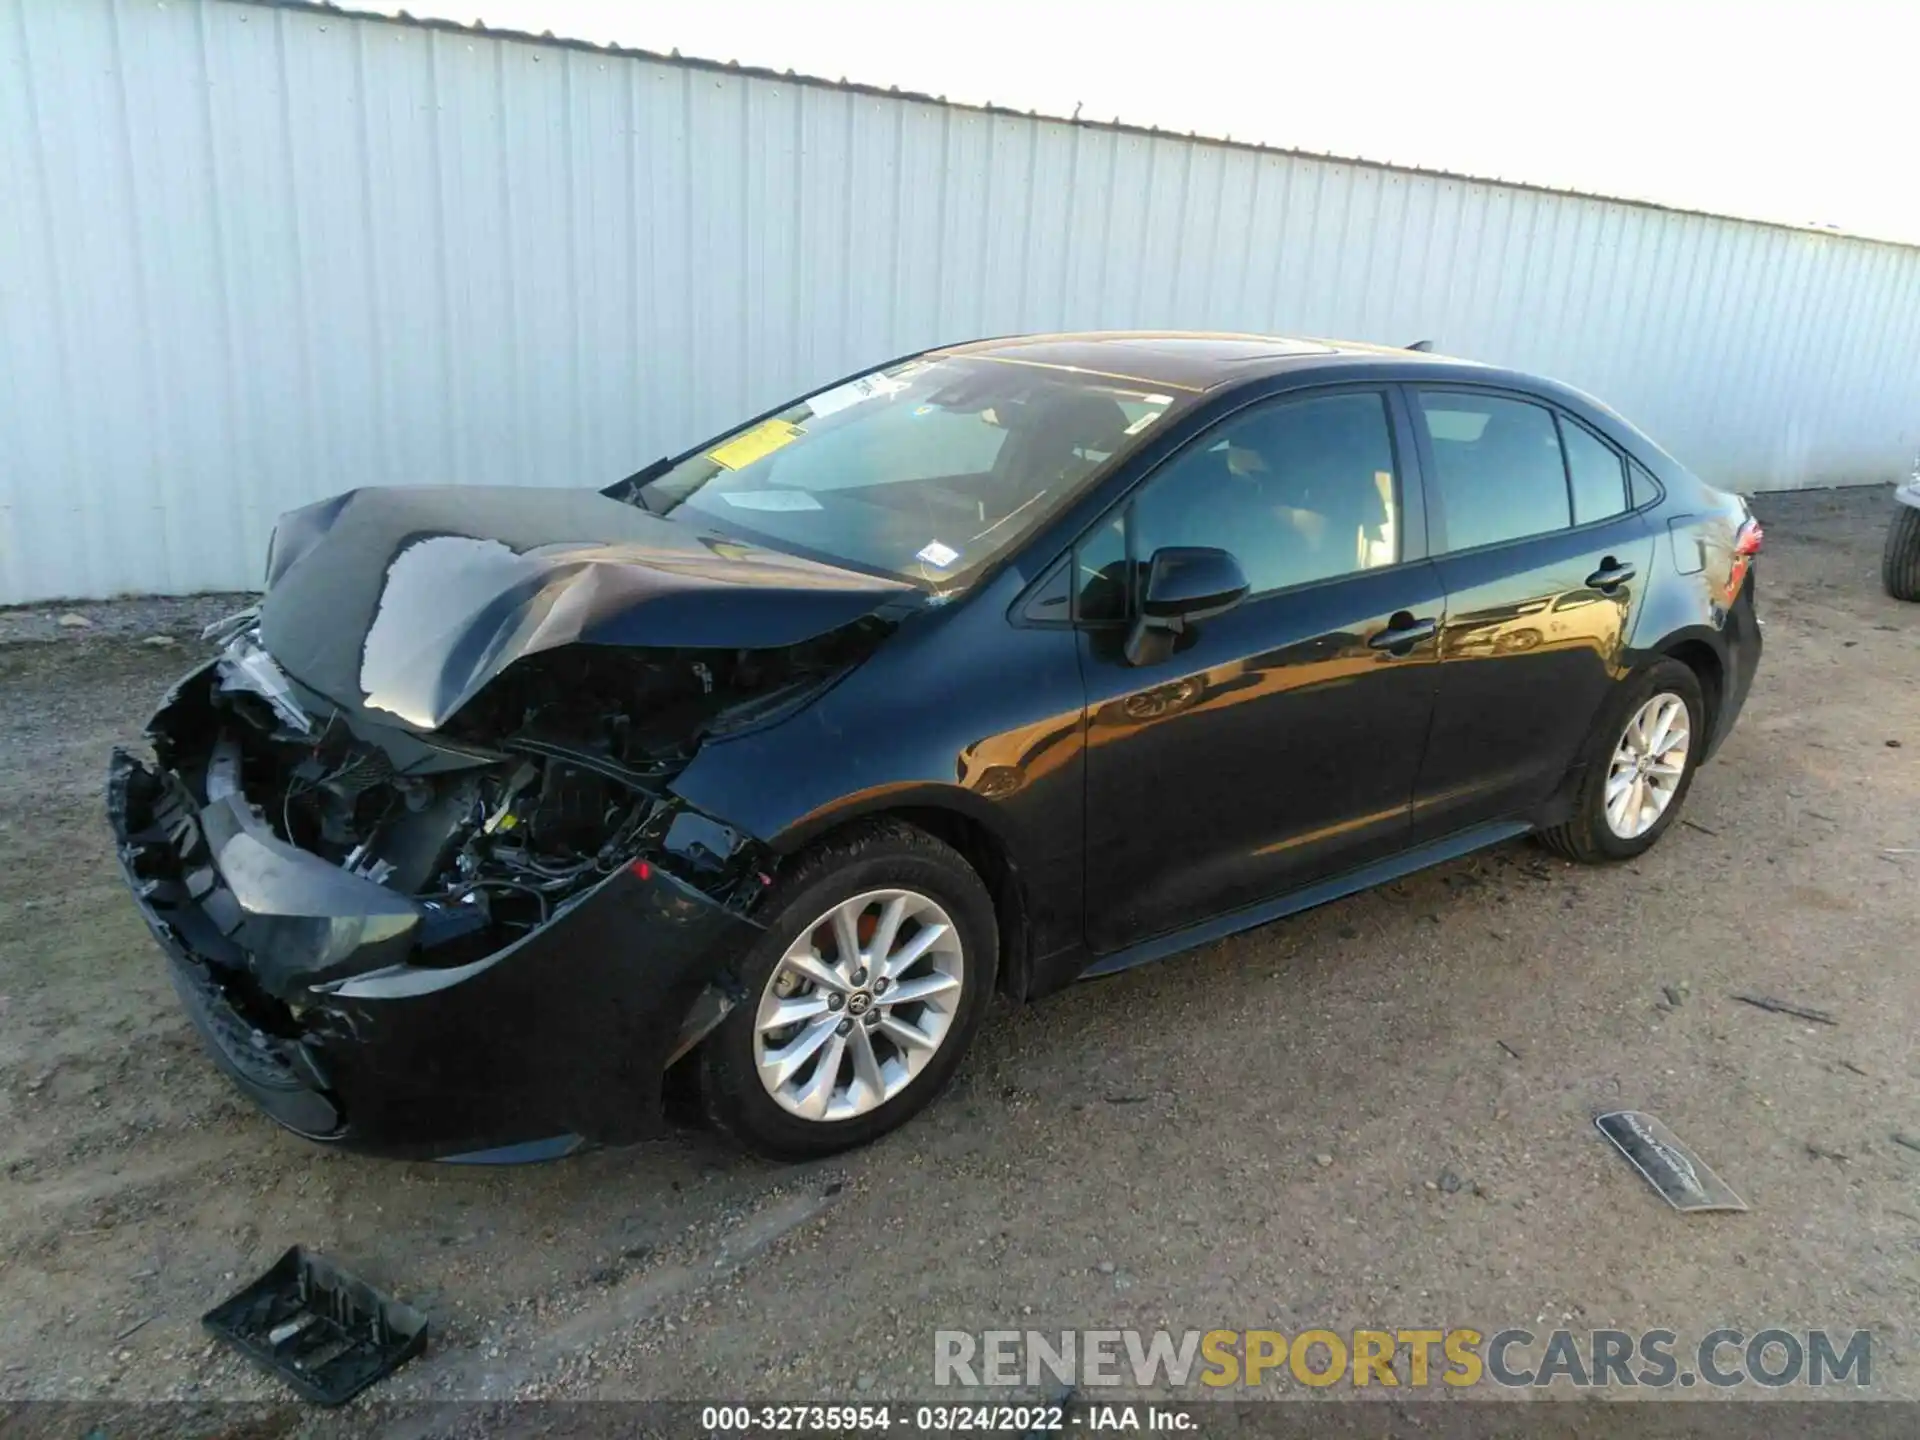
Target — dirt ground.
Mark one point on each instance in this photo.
(1252, 1135)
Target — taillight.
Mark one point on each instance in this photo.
(1747, 541)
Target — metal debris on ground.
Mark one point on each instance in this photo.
(1781, 1007)
(1680, 1177)
(326, 1333)
(134, 1328)
(1906, 1141)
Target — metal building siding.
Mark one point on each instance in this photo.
(252, 256)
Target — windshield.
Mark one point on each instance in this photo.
(925, 470)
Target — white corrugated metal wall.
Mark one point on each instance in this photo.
(251, 256)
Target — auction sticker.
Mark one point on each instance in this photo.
(755, 444)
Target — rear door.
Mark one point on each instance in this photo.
(1544, 565)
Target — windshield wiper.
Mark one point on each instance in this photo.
(629, 490)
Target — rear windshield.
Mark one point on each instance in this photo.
(928, 470)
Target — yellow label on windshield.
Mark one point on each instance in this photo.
(762, 440)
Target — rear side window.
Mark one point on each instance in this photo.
(1595, 475)
(1499, 471)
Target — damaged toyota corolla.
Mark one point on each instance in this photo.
(997, 666)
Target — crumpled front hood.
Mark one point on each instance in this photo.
(407, 601)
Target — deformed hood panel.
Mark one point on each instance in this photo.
(407, 601)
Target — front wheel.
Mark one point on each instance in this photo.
(1639, 767)
(872, 976)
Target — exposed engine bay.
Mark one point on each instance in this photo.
(550, 780)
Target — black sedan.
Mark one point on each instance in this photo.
(998, 666)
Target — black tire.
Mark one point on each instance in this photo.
(1900, 561)
(871, 855)
(1587, 837)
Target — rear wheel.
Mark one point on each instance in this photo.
(1900, 561)
(873, 974)
(1639, 767)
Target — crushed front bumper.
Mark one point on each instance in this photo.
(306, 985)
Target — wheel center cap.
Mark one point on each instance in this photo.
(859, 1003)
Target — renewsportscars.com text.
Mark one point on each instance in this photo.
(1460, 1357)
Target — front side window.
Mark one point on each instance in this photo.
(1499, 474)
(928, 470)
(1296, 490)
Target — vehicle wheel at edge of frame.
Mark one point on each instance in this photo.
(1639, 766)
(1900, 560)
(862, 995)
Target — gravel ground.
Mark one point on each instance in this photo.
(156, 621)
(1264, 1133)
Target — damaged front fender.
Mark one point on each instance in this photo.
(569, 1029)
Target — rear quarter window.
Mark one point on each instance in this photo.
(1641, 485)
(1596, 474)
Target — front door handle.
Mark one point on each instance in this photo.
(1404, 631)
(1610, 574)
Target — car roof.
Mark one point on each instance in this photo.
(1191, 360)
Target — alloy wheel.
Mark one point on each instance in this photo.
(1648, 765)
(858, 1005)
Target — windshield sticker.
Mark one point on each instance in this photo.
(1162, 401)
(937, 555)
(770, 499)
(755, 444)
(842, 397)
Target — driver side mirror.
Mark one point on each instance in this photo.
(1185, 584)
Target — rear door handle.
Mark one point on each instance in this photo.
(1610, 574)
(1403, 631)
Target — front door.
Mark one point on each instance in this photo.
(1280, 741)
(1543, 565)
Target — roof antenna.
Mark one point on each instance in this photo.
(1425, 347)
